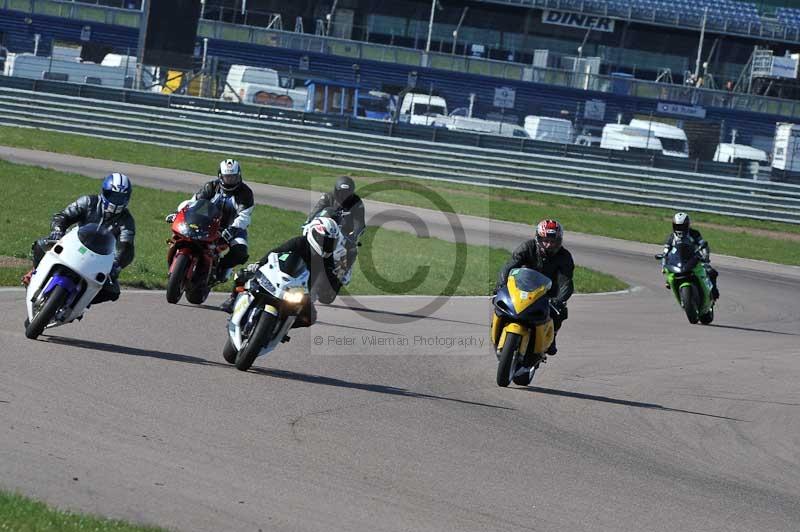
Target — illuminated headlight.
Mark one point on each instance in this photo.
(294, 296)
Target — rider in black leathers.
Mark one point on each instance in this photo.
(344, 200)
(546, 255)
(681, 226)
(107, 209)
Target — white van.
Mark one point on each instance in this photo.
(627, 138)
(672, 138)
(736, 153)
(549, 129)
(262, 86)
(422, 109)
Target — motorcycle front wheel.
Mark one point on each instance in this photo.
(55, 300)
(176, 277)
(258, 338)
(505, 367)
(689, 302)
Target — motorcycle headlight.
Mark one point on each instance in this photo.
(183, 228)
(294, 296)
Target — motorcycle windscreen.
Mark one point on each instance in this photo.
(681, 256)
(292, 264)
(97, 239)
(202, 213)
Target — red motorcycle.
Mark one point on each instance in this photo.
(194, 251)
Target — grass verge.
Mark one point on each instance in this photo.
(390, 262)
(741, 237)
(21, 514)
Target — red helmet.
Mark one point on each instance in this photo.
(549, 235)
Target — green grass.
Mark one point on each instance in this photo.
(20, 514)
(727, 234)
(390, 262)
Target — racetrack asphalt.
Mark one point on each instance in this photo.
(373, 421)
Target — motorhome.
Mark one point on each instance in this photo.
(628, 138)
(673, 139)
(262, 86)
(739, 153)
(108, 74)
(422, 109)
(548, 129)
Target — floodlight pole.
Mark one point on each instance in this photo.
(430, 26)
(137, 83)
(700, 46)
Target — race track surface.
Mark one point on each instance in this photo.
(380, 418)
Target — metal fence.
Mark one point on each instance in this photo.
(321, 139)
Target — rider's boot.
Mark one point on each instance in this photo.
(26, 279)
(227, 305)
(552, 350)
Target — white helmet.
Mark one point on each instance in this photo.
(681, 223)
(230, 175)
(323, 235)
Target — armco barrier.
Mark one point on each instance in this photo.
(318, 139)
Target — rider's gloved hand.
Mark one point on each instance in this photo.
(171, 217)
(55, 234)
(227, 235)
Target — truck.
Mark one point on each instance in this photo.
(673, 139)
(422, 109)
(262, 86)
(628, 138)
(548, 129)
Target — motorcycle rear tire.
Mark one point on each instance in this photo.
(505, 367)
(258, 338)
(708, 317)
(55, 300)
(689, 302)
(176, 277)
(229, 351)
(197, 295)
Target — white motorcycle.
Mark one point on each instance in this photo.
(266, 309)
(68, 278)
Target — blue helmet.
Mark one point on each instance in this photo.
(115, 193)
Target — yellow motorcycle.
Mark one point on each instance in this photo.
(522, 329)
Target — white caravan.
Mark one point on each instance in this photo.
(549, 129)
(736, 153)
(117, 74)
(673, 139)
(626, 138)
(786, 151)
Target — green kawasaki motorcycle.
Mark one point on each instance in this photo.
(689, 281)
